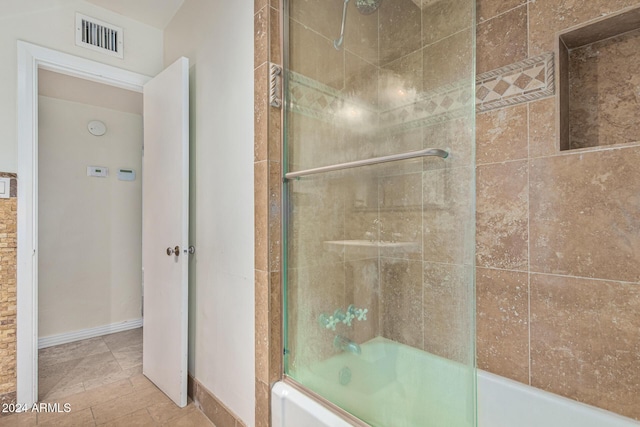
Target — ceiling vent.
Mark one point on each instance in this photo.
(99, 36)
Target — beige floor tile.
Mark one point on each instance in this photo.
(70, 351)
(25, 419)
(72, 419)
(99, 395)
(123, 339)
(60, 412)
(129, 357)
(59, 392)
(136, 419)
(140, 381)
(192, 419)
(50, 374)
(101, 378)
(90, 368)
(166, 411)
(112, 378)
(124, 405)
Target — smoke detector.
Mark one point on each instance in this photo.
(100, 36)
(97, 128)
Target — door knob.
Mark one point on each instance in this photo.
(173, 251)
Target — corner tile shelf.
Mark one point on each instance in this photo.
(599, 82)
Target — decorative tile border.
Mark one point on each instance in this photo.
(321, 102)
(437, 106)
(523, 81)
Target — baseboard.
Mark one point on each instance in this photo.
(83, 334)
(211, 407)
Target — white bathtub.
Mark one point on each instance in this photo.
(501, 402)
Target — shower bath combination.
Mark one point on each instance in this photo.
(378, 228)
(365, 7)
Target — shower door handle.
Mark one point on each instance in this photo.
(173, 251)
(275, 86)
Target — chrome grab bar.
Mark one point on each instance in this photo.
(427, 152)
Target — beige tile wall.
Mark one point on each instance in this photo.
(603, 109)
(211, 406)
(267, 182)
(558, 233)
(8, 253)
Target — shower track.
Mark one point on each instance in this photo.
(427, 152)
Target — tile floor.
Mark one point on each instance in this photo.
(101, 378)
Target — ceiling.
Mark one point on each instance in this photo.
(157, 13)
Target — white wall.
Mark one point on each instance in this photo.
(62, 86)
(51, 23)
(217, 36)
(90, 229)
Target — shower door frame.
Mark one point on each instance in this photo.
(282, 352)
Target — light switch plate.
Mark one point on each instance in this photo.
(5, 188)
(126, 175)
(99, 171)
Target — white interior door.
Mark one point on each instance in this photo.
(165, 227)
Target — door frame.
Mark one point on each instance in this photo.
(30, 58)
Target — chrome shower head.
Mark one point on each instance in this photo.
(367, 7)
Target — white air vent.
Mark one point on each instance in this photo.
(99, 36)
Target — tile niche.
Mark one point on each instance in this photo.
(599, 76)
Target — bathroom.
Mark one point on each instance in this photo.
(556, 298)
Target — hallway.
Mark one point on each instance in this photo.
(101, 379)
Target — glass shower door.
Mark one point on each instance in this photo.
(379, 261)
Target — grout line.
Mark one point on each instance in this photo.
(92, 414)
(146, 408)
(261, 9)
(528, 31)
(542, 273)
(529, 325)
(510, 270)
(502, 13)
(589, 150)
(594, 279)
(525, 159)
(528, 234)
(421, 49)
(429, 262)
(343, 48)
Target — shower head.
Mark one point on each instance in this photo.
(367, 7)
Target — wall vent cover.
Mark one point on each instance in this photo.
(99, 36)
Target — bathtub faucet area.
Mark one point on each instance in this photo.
(345, 317)
(345, 344)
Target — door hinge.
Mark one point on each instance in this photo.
(142, 296)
